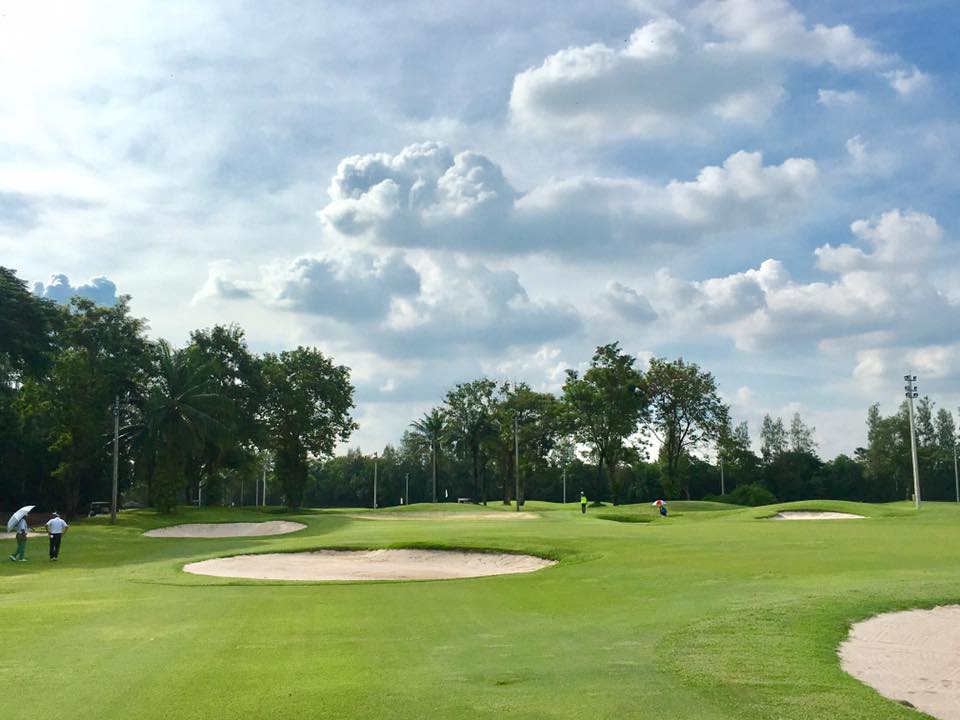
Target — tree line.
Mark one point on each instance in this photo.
(212, 418)
(624, 435)
(207, 418)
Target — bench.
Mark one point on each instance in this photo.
(464, 501)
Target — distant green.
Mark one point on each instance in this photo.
(717, 614)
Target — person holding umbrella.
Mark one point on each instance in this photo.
(19, 521)
(662, 506)
(56, 527)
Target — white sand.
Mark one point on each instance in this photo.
(222, 530)
(30, 535)
(368, 565)
(809, 515)
(446, 515)
(912, 656)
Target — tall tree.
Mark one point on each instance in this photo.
(306, 411)
(773, 439)
(470, 408)
(180, 418)
(926, 434)
(888, 472)
(102, 354)
(801, 436)
(427, 432)
(740, 463)
(605, 409)
(538, 420)
(685, 413)
(236, 372)
(945, 431)
(26, 329)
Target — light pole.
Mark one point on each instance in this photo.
(516, 458)
(406, 491)
(263, 496)
(374, 481)
(116, 458)
(564, 484)
(956, 477)
(433, 449)
(723, 489)
(911, 393)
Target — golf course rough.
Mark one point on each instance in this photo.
(911, 656)
(348, 565)
(222, 530)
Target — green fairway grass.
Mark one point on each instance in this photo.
(712, 612)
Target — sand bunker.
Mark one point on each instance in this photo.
(13, 536)
(368, 565)
(222, 530)
(445, 515)
(809, 515)
(911, 656)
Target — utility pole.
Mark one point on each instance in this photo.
(564, 484)
(911, 393)
(723, 490)
(374, 481)
(956, 477)
(516, 457)
(433, 448)
(116, 458)
(406, 492)
(241, 491)
(263, 497)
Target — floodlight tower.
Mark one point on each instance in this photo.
(911, 393)
(956, 475)
(516, 458)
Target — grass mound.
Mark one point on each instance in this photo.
(624, 518)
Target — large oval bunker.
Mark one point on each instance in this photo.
(352, 565)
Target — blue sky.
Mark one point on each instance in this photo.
(431, 194)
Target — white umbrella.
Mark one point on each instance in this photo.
(15, 518)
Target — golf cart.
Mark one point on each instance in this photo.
(99, 508)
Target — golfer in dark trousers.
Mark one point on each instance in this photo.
(583, 504)
(56, 526)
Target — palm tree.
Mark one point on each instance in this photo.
(180, 416)
(428, 430)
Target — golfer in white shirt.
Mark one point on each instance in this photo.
(56, 526)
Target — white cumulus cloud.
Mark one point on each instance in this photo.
(59, 289)
(883, 291)
(427, 196)
(727, 61)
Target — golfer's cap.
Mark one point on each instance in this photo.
(56, 514)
